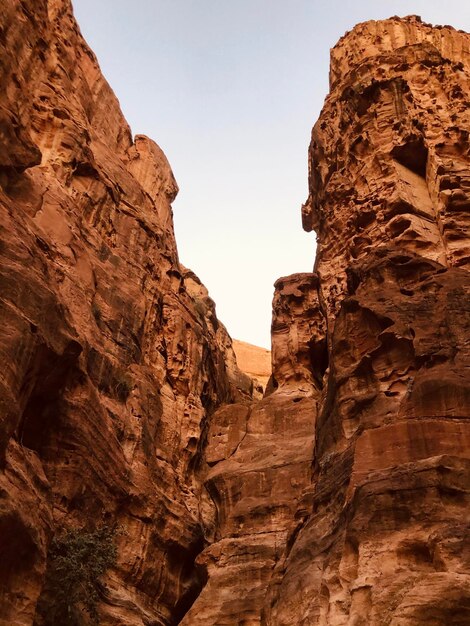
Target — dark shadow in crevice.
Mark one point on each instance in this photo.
(192, 576)
(18, 550)
(319, 359)
(47, 377)
(412, 154)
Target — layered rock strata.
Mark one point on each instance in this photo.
(259, 466)
(373, 348)
(386, 538)
(341, 498)
(112, 357)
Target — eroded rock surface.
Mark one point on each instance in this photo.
(377, 342)
(259, 460)
(113, 359)
(339, 499)
(389, 155)
(386, 539)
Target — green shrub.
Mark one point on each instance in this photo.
(77, 560)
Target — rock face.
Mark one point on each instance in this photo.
(370, 365)
(386, 537)
(254, 361)
(259, 460)
(112, 357)
(339, 499)
(389, 155)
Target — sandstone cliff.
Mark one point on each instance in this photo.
(385, 540)
(341, 498)
(112, 357)
(254, 361)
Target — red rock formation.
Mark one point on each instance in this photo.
(386, 539)
(341, 498)
(377, 339)
(259, 465)
(389, 155)
(113, 358)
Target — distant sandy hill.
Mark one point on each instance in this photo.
(253, 360)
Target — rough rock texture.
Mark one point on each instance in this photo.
(339, 499)
(386, 538)
(370, 367)
(254, 361)
(259, 459)
(112, 357)
(389, 155)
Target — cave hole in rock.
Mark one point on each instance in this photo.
(364, 219)
(415, 553)
(38, 423)
(47, 378)
(399, 225)
(413, 155)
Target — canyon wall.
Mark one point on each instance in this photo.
(386, 538)
(112, 357)
(338, 499)
(343, 496)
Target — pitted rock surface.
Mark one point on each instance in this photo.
(340, 498)
(377, 341)
(113, 359)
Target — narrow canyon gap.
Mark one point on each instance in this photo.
(340, 498)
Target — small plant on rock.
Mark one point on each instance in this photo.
(77, 561)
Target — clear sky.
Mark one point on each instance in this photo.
(230, 90)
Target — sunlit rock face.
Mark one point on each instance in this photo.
(341, 497)
(386, 538)
(113, 360)
(370, 367)
(389, 154)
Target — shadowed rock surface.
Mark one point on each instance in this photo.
(112, 357)
(340, 498)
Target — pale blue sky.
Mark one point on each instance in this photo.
(230, 90)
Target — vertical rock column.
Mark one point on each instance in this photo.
(384, 542)
(113, 359)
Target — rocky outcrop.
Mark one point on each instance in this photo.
(389, 155)
(384, 541)
(363, 436)
(113, 358)
(254, 361)
(340, 498)
(259, 466)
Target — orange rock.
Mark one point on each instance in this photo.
(388, 195)
(342, 496)
(254, 361)
(113, 358)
